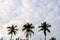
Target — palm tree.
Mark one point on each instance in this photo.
(12, 30)
(28, 30)
(53, 38)
(1, 39)
(44, 27)
(17, 38)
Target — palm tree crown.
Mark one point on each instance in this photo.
(28, 29)
(12, 30)
(44, 26)
(53, 38)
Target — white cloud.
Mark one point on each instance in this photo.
(33, 11)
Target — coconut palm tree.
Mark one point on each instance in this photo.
(17, 38)
(12, 30)
(28, 30)
(44, 27)
(1, 39)
(53, 38)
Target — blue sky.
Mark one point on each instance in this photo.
(19, 12)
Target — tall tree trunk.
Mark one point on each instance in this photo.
(28, 37)
(45, 37)
(11, 37)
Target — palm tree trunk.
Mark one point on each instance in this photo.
(28, 38)
(11, 37)
(45, 37)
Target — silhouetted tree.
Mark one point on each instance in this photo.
(53, 38)
(28, 30)
(17, 38)
(1, 39)
(20, 39)
(12, 30)
(44, 27)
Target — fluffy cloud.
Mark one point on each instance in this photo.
(34, 11)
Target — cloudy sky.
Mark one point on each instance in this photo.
(19, 12)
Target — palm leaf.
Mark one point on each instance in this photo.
(14, 32)
(23, 29)
(40, 26)
(16, 29)
(25, 32)
(48, 30)
(49, 25)
(30, 35)
(32, 27)
(10, 32)
(32, 31)
(40, 30)
(27, 35)
(9, 27)
(25, 25)
(15, 25)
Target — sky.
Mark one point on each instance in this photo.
(19, 12)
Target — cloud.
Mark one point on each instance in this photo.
(34, 11)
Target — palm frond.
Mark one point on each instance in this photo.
(48, 25)
(40, 30)
(48, 30)
(16, 29)
(23, 29)
(12, 25)
(39, 26)
(30, 35)
(14, 32)
(42, 23)
(31, 24)
(27, 35)
(9, 27)
(26, 31)
(25, 25)
(10, 32)
(32, 31)
(15, 25)
(32, 27)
